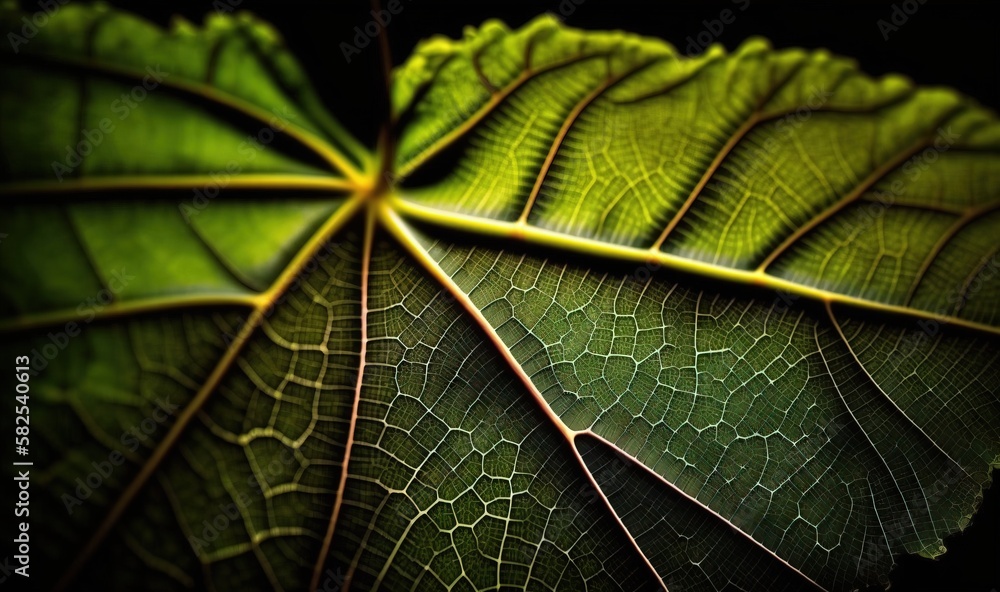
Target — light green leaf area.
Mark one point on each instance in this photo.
(596, 316)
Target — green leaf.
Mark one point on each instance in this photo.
(623, 319)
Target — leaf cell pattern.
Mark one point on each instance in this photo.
(622, 319)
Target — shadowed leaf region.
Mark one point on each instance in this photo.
(593, 315)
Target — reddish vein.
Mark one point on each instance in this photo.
(365, 267)
(397, 227)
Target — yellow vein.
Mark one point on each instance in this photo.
(263, 302)
(212, 94)
(125, 308)
(159, 453)
(184, 301)
(243, 181)
(342, 485)
(308, 250)
(402, 233)
(590, 247)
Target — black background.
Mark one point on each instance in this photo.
(944, 42)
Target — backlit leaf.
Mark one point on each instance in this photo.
(598, 316)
